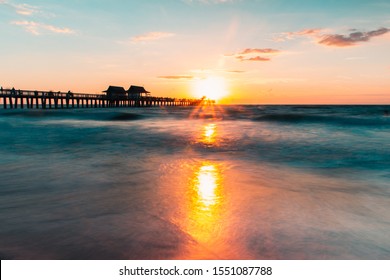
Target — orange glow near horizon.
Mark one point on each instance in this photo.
(213, 88)
(231, 90)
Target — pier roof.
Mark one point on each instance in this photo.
(137, 89)
(115, 90)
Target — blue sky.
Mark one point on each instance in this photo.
(264, 51)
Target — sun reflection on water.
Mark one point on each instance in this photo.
(205, 207)
(206, 184)
(209, 133)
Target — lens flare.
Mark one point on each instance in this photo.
(213, 88)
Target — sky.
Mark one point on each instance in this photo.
(236, 51)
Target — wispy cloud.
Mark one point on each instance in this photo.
(23, 9)
(352, 39)
(254, 51)
(323, 37)
(31, 26)
(250, 54)
(37, 28)
(151, 36)
(255, 58)
(305, 32)
(26, 9)
(284, 36)
(177, 77)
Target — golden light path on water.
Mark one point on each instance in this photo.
(204, 212)
(206, 183)
(205, 205)
(206, 199)
(209, 134)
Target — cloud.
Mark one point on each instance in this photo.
(253, 51)
(284, 36)
(22, 9)
(334, 40)
(25, 9)
(151, 36)
(250, 51)
(37, 28)
(256, 58)
(33, 27)
(177, 77)
(306, 32)
(337, 40)
(249, 54)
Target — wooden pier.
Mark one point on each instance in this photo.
(13, 99)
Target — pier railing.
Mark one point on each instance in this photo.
(16, 98)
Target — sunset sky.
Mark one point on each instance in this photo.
(259, 51)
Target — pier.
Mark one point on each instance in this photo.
(13, 99)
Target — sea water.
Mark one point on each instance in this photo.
(214, 182)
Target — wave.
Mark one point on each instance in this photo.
(126, 117)
(35, 113)
(328, 119)
(101, 115)
(341, 115)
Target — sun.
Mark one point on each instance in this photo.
(213, 88)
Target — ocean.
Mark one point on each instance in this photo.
(214, 182)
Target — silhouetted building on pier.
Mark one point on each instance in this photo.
(136, 92)
(114, 92)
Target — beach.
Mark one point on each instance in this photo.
(213, 182)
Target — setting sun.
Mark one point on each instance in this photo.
(212, 88)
